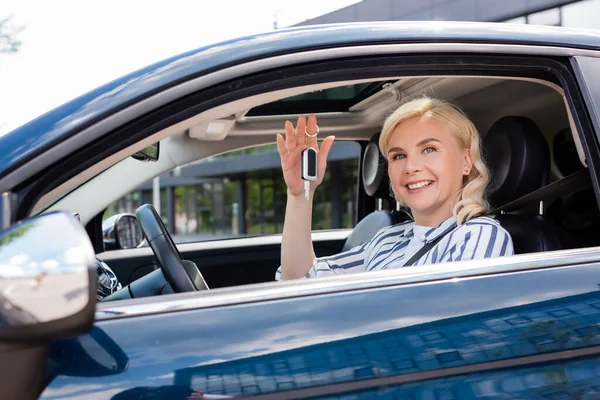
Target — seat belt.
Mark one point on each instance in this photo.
(576, 182)
(428, 246)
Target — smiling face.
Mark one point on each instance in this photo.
(426, 167)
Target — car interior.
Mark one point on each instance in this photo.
(528, 142)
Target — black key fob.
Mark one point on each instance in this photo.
(309, 164)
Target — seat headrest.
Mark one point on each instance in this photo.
(518, 158)
(374, 171)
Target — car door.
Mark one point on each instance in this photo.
(526, 327)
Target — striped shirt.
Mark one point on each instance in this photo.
(478, 238)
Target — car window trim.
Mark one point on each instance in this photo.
(156, 123)
(584, 119)
(524, 263)
(230, 243)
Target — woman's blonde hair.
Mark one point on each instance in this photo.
(470, 201)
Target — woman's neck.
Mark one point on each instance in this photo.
(432, 220)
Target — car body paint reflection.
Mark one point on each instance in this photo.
(355, 336)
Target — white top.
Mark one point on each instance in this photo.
(417, 241)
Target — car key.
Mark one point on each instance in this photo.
(309, 161)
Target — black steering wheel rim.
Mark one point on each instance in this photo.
(164, 249)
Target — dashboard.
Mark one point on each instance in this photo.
(108, 283)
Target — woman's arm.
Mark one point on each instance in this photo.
(348, 262)
(297, 252)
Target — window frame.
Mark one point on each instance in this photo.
(273, 169)
(518, 66)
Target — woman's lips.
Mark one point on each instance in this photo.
(418, 186)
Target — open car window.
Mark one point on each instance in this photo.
(242, 193)
(237, 192)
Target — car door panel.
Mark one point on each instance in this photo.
(362, 340)
(571, 379)
(225, 262)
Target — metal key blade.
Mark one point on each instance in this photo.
(306, 189)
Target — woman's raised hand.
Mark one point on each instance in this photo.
(291, 148)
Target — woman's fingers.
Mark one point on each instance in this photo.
(323, 153)
(300, 135)
(288, 159)
(281, 147)
(290, 138)
(311, 128)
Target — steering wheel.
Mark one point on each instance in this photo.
(182, 275)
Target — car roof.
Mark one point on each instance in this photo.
(36, 136)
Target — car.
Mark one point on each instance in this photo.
(98, 310)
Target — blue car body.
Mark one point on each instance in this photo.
(526, 332)
(391, 342)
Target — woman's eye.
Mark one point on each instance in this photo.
(428, 149)
(399, 156)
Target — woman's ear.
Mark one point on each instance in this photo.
(467, 162)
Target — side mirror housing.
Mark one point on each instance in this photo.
(92, 354)
(122, 231)
(47, 280)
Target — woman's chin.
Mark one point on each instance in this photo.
(419, 210)
(420, 200)
(422, 206)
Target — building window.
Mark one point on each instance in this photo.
(583, 14)
(518, 20)
(548, 17)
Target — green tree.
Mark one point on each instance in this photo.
(14, 234)
(9, 43)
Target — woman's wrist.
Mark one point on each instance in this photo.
(299, 196)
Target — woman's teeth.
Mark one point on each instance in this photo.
(419, 184)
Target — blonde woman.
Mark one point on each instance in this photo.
(435, 168)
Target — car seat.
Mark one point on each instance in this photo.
(376, 184)
(518, 157)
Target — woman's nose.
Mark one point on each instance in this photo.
(412, 165)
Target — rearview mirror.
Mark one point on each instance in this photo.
(47, 281)
(150, 153)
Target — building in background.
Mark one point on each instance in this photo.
(243, 193)
(576, 14)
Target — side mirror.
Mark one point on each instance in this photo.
(47, 280)
(122, 231)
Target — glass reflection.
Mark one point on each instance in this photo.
(539, 328)
(563, 380)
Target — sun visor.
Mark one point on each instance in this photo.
(212, 130)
